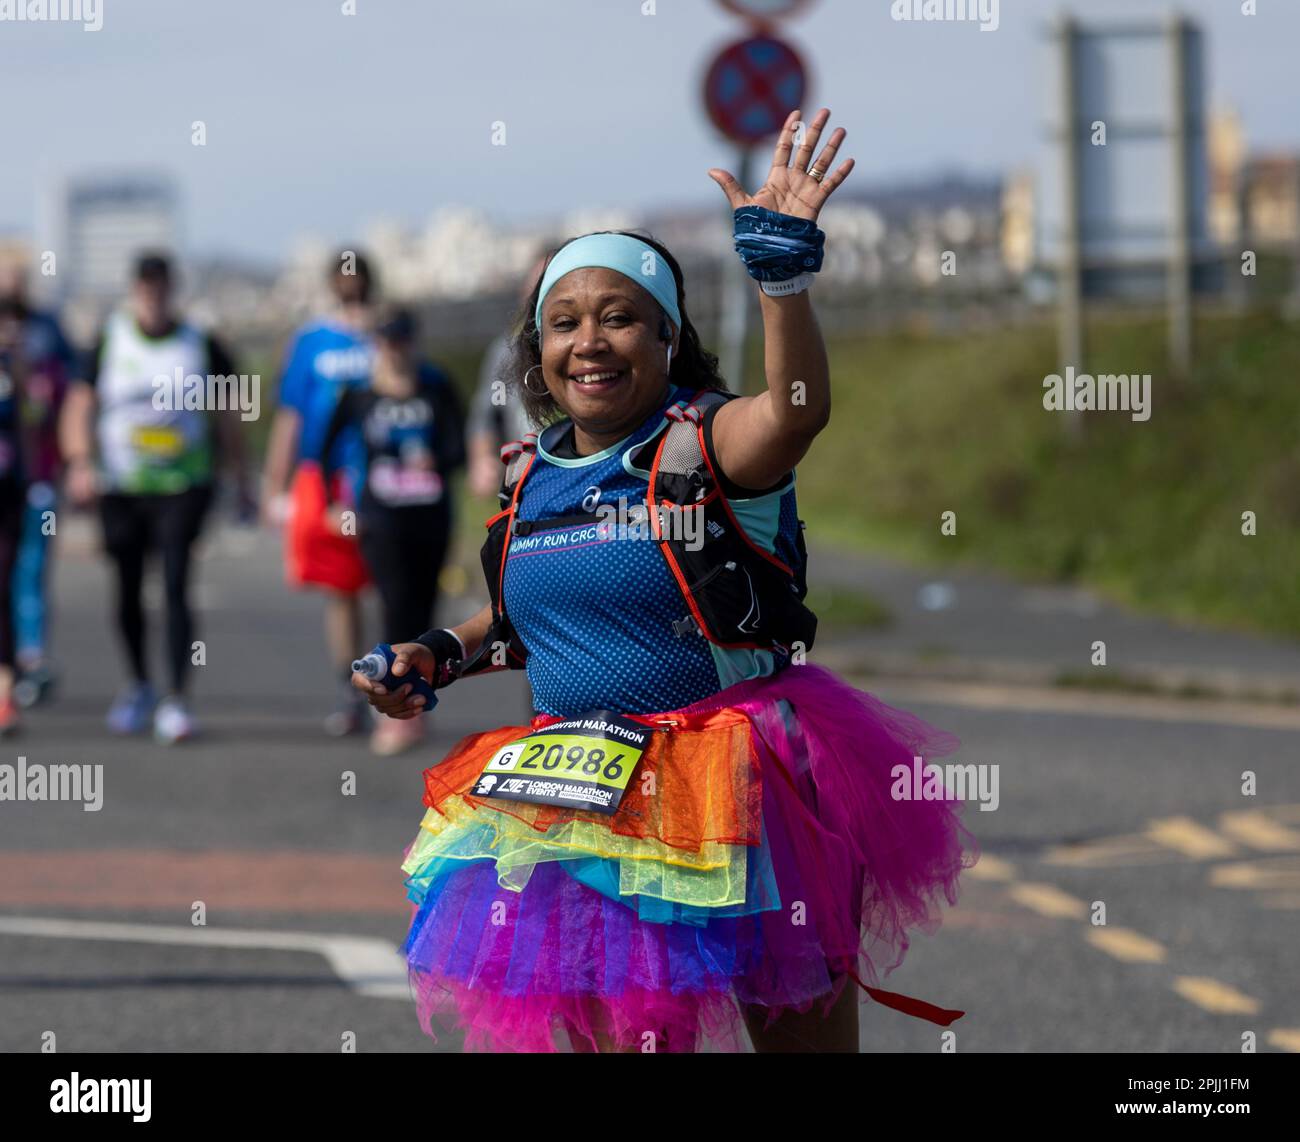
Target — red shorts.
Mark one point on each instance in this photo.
(314, 553)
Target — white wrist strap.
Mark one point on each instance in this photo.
(454, 635)
(789, 288)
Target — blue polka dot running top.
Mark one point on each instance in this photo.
(595, 606)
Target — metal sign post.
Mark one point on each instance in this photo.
(751, 87)
(737, 300)
(1180, 214)
(1126, 182)
(1069, 273)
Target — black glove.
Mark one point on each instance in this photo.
(447, 655)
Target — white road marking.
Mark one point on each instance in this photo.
(371, 967)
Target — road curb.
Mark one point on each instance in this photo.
(1190, 683)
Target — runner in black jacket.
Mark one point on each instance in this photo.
(412, 425)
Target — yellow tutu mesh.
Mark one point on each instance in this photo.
(712, 877)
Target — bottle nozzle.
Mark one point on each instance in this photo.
(372, 666)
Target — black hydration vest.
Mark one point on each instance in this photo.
(734, 593)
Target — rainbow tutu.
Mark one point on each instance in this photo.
(757, 858)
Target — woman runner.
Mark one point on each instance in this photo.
(700, 830)
(412, 429)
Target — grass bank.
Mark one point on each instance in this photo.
(1148, 512)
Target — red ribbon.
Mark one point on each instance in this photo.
(909, 1006)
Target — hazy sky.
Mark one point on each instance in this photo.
(321, 122)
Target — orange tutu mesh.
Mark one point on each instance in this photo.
(697, 784)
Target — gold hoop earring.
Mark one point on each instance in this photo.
(545, 391)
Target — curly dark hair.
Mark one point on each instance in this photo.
(693, 366)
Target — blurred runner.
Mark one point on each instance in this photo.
(13, 494)
(325, 358)
(412, 428)
(496, 414)
(154, 477)
(49, 364)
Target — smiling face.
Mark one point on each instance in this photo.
(602, 356)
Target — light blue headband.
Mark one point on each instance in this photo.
(625, 255)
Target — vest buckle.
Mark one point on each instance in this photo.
(685, 626)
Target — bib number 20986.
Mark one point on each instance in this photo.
(581, 763)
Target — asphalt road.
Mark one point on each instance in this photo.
(301, 885)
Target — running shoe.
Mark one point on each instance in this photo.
(36, 685)
(131, 710)
(173, 722)
(348, 717)
(392, 736)
(8, 718)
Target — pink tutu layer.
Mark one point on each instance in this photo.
(893, 858)
(855, 870)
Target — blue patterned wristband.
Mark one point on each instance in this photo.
(777, 247)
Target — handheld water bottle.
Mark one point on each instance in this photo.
(378, 667)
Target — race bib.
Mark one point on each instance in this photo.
(159, 443)
(402, 486)
(582, 763)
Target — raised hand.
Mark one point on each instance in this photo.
(797, 188)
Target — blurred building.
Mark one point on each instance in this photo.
(1227, 152)
(1018, 223)
(919, 234)
(1255, 197)
(230, 294)
(1272, 199)
(97, 226)
(460, 252)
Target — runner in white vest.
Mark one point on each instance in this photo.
(143, 448)
(157, 433)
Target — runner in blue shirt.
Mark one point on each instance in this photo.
(325, 359)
